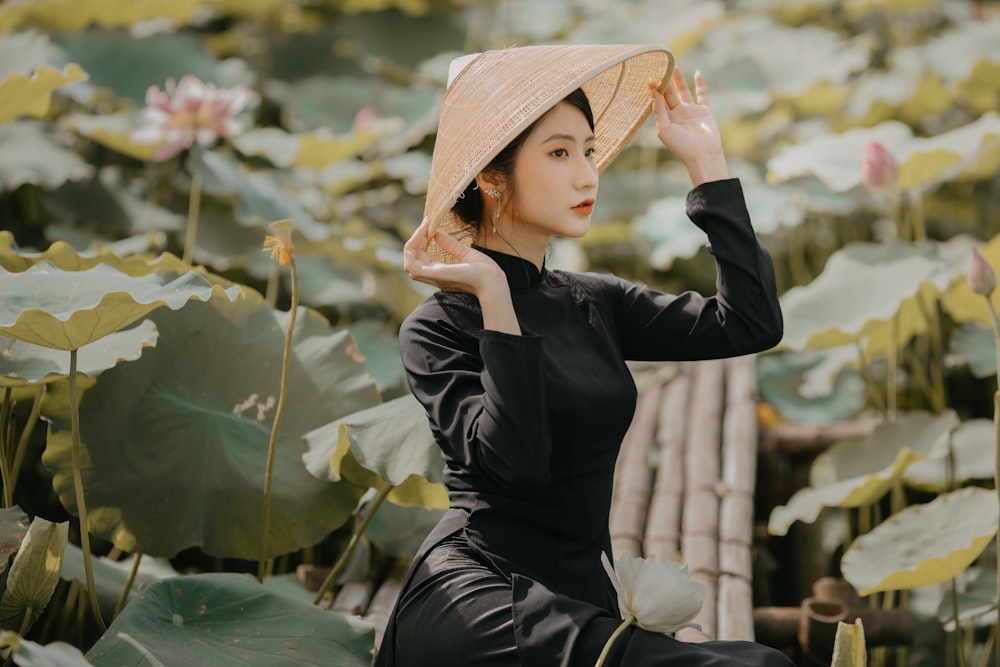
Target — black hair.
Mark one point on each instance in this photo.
(469, 206)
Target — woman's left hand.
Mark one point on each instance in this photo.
(688, 128)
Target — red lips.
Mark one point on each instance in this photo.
(584, 207)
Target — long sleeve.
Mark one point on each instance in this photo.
(744, 315)
(485, 399)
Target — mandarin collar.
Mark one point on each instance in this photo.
(521, 273)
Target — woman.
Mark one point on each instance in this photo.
(522, 369)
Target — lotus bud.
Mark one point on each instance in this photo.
(879, 171)
(280, 243)
(660, 596)
(982, 279)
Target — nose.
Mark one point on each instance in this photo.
(585, 176)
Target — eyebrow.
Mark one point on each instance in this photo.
(568, 137)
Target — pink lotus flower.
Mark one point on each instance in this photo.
(879, 170)
(190, 111)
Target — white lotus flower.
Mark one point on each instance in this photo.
(659, 596)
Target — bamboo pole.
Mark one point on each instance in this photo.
(700, 516)
(634, 477)
(663, 526)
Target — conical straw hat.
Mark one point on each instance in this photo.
(498, 94)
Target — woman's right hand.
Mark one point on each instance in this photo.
(473, 272)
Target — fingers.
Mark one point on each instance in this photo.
(701, 88)
(671, 93)
(658, 102)
(683, 91)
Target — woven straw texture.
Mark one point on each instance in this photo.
(501, 93)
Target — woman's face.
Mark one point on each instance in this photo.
(555, 176)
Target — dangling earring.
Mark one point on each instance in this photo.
(495, 196)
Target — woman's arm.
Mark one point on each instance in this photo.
(743, 317)
(484, 395)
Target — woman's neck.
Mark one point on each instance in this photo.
(529, 247)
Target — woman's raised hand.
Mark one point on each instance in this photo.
(687, 127)
(473, 272)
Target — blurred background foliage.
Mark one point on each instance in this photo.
(872, 271)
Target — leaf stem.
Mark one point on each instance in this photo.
(29, 427)
(611, 640)
(81, 505)
(355, 538)
(996, 452)
(286, 357)
(194, 204)
(127, 588)
(5, 472)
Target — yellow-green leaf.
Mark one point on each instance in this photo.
(32, 95)
(390, 443)
(974, 453)
(924, 544)
(34, 573)
(74, 16)
(859, 471)
(66, 310)
(113, 131)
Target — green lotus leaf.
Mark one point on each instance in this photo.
(399, 531)
(861, 289)
(227, 620)
(127, 66)
(66, 257)
(28, 154)
(798, 385)
(858, 8)
(261, 198)
(323, 282)
(858, 471)
(22, 52)
(32, 95)
(30, 654)
(673, 236)
(334, 102)
(380, 347)
(923, 544)
(976, 344)
(392, 442)
(977, 601)
(254, 9)
(413, 168)
(33, 575)
(24, 363)
(906, 92)
(974, 452)
(835, 159)
(175, 443)
(110, 575)
(607, 24)
(959, 301)
(66, 310)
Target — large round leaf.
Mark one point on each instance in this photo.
(923, 544)
(29, 654)
(974, 453)
(66, 257)
(28, 154)
(175, 444)
(861, 289)
(976, 344)
(73, 16)
(229, 619)
(261, 197)
(34, 573)
(392, 443)
(32, 95)
(859, 471)
(66, 310)
(24, 363)
(813, 386)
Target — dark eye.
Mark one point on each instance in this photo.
(591, 152)
(559, 152)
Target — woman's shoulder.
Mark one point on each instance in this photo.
(441, 312)
(589, 285)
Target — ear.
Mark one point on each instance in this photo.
(490, 180)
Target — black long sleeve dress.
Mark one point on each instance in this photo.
(530, 428)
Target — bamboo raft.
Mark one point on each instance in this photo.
(684, 486)
(684, 489)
